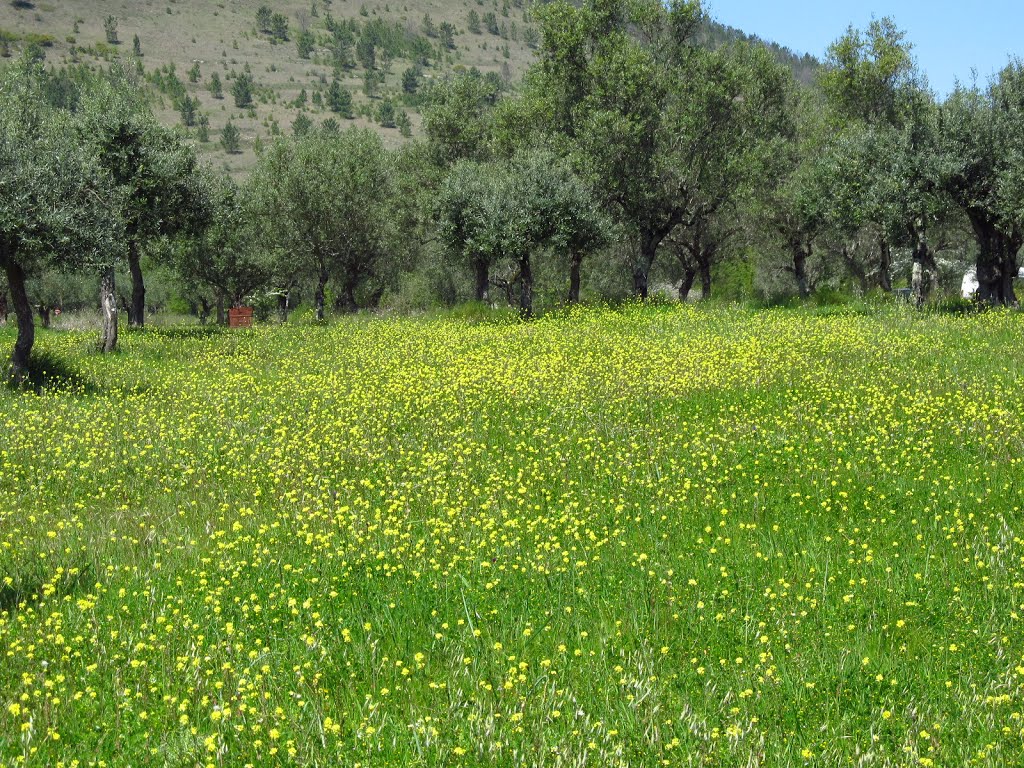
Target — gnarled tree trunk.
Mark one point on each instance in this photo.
(23, 313)
(108, 306)
(525, 288)
(44, 314)
(704, 268)
(856, 270)
(137, 310)
(4, 310)
(642, 267)
(347, 298)
(480, 271)
(318, 295)
(801, 253)
(997, 262)
(800, 270)
(282, 305)
(917, 283)
(575, 259)
(203, 307)
(884, 265)
(924, 261)
(689, 276)
(652, 233)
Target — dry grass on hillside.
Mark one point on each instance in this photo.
(222, 37)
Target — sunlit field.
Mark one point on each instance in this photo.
(658, 535)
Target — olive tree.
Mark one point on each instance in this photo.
(223, 257)
(153, 171)
(56, 201)
(464, 207)
(886, 160)
(509, 210)
(981, 135)
(732, 112)
(607, 85)
(326, 200)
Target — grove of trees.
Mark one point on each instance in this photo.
(634, 156)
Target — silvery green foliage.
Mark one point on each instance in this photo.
(325, 202)
(223, 258)
(981, 138)
(154, 172)
(57, 207)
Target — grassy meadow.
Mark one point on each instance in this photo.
(658, 535)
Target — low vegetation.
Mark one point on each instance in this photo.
(657, 534)
(523, 531)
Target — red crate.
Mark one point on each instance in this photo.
(240, 317)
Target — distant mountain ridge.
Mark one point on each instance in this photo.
(713, 34)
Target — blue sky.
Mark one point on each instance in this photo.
(949, 38)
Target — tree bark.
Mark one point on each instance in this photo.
(640, 272)
(689, 276)
(921, 258)
(282, 306)
(575, 259)
(855, 270)
(347, 298)
(3, 306)
(800, 255)
(26, 327)
(884, 265)
(108, 304)
(481, 269)
(800, 271)
(704, 268)
(44, 314)
(137, 310)
(640, 287)
(318, 296)
(203, 307)
(917, 283)
(221, 317)
(1009, 272)
(525, 288)
(933, 278)
(649, 242)
(996, 265)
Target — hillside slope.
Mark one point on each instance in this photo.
(294, 56)
(224, 38)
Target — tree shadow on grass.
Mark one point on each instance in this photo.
(15, 596)
(184, 331)
(49, 373)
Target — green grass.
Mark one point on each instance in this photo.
(650, 535)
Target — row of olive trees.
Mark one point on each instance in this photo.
(91, 180)
(94, 184)
(877, 164)
(696, 155)
(625, 130)
(628, 145)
